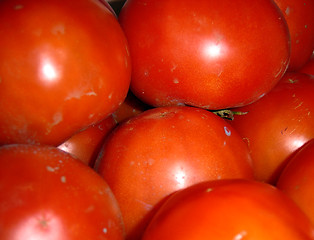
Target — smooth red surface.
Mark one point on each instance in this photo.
(86, 144)
(47, 194)
(299, 16)
(166, 149)
(278, 124)
(297, 179)
(230, 210)
(210, 54)
(64, 65)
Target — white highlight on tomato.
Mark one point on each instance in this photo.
(49, 72)
(40, 225)
(213, 50)
(180, 177)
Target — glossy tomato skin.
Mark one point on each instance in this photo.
(297, 179)
(300, 20)
(213, 54)
(278, 124)
(165, 149)
(229, 209)
(47, 194)
(86, 144)
(63, 67)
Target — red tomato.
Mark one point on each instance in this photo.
(47, 194)
(166, 149)
(210, 54)
(299, 15)
(229, 209)
(297, 179)
(278, 124)
(63, 66)
(85, 145)
(131, 107)
(308, 68)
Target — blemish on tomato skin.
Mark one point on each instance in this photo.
(58, 29)
(18, 7)
(283, 131)
(290, 80)
(51, 169)
(175, 81)
(227, 131)
(63, 179)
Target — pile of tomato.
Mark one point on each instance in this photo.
(157, 119)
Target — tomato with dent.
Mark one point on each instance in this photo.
(86, 144)
(229, 209)
(297, 179)
(210, 54)
(278, 124)
(300, 20)
(63, 66)
(47, 194)
(165, 149)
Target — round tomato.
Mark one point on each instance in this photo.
(229, 209)
(47, 194)
(165, 149)
(86, 144)
(297, 179)
(63, 66)
(299, 16)
(210, 54)
(278, 124)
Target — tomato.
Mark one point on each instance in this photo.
(85, 145)
(210, 54)
(47, 194)
(63, 66)
(165, 149)
(229, 209)
(278, 124)
(131, 107)
(297, 178)
(299, 17)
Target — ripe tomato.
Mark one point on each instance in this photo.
(229, 209)
(210, 54)
(47, 194)
(165, 149)
(63, 66)
(278, 124)
(297, 179)
(300, 20)
(86, 144)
